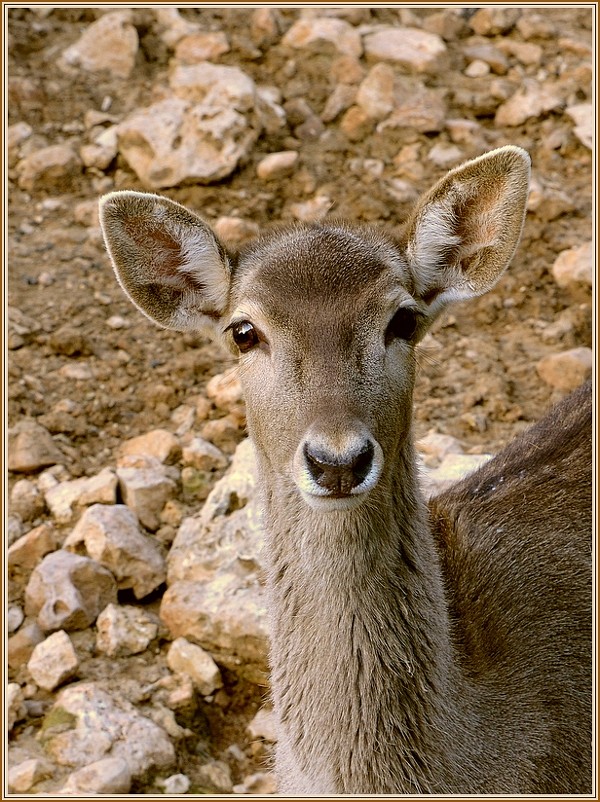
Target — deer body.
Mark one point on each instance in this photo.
(413, 650)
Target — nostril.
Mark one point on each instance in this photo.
(339, 473)
(363, 462)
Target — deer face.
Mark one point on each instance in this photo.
(324, 318)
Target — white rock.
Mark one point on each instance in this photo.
(312, 210)
(81, 372)
(124, 630)
(23, 776)
(416, 107)
(411, 48)
(14, 618)
(277, 165)
(53, 661)
(235, 230)
(204, 456)
(53, 168)
(435, 446)
(377, 93)
(31, 447)
(445, 155)
(574, 267)
(258, 784)
(452, 468)
(306, 32)
(26, 500)
(530, 100)
(65, 498)
(264, 725)
(198, 136)
(112, 537)
(146, 488)
(110, 44)
(157, 443)
(225, 389)
(25, 553)
(183, 418)
(184, 657)
(14, 704)
(568, 369)
(176, 784)
(201, 46)
(92, 724)
(582, 115)
(110, 775)
(67, 591)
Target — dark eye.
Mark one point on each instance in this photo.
(402, 326)
(244, 335)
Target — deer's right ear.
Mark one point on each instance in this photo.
(167, 260)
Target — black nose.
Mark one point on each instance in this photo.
(339, 473)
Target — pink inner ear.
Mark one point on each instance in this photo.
(163, 253)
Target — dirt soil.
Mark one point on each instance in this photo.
(477, 381)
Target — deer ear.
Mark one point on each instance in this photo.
(464, 231)
(167, 260)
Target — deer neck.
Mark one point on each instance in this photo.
(361, 655)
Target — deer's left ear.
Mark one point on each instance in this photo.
(464, 231)
(167, 260)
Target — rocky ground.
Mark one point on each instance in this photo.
(137, 633)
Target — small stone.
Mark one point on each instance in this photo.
(417, 107)
(158, 443)
(202, 46)
(435, 446)
(312, 210)
(412, 48)
(462, 131)
(111, 536)
(312, 31)
(356, 124)
(277, 165)
(117, 322)
(68, 592)
(23, 776)
(14, 618)
(582, 116)
(26, 500)
(215, 777)
(445, 155)
(145, 487)
(64, 498)
(111, 775)
(14, 704)
(530, 100)
(183, 418)
(264, 725)
(376, 95)
(174, 26)
(225, 389)
(492, 21)
(339, 100)
(488, 54)
(108, 45)
(452, 468)
(184, 657)
(203, 455)
(566, 370)
(259, 784)
(31, 447)
(53, 661)
(526, 53)
(124, 630)
(175, 784)
(21, 645)
(477, 69)
(81, 372)
(264, 27)
(235, 230)
(26, 552)
(574, 267)
(55, 168)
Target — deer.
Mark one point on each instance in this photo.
(414, 649)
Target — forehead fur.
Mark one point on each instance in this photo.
(318, 260)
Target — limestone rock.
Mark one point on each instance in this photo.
(264, 725)
(184, 657)
(56, 168)
(157, 443)
(203, 456)
(215, 777)
(491, 21)
(23, 776)
(225, 389)
(574, 267)
(14, 704)
(175, 784)
(26, 500)
(30, 447)
(146, 488)
(277, 165)
(109, 45)
(87, 724)
(416, 107)
(20, 646)
(65, 498)
(198, 136)
(414, 49)
(530, 100)
(201, 46)
(376, 95)
(26, 552)
(235, 231)
(435, 446)
(68, 592)
(566, 370)
(111, 536)
(124, 630)
(261, 783)
(452, 468)
(582, 116)
(111, 775)
(53, 661)
(308, 32)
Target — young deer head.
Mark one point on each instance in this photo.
(325, 317)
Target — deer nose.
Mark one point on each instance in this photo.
(339, 474)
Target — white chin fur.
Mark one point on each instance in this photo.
(323, 503)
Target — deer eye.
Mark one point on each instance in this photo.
(402, 326)
(244, 336)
